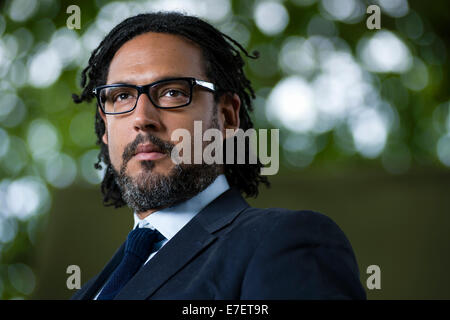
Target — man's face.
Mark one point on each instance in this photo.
(144, 59)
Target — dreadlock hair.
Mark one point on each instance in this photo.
(224, 67)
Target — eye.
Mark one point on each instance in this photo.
(122, 96)
(172, 93)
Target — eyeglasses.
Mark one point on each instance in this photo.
(165, 94)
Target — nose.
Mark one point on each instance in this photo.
(146, 115)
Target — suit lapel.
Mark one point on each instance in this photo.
(184, 246)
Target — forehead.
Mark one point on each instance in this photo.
(153, 56)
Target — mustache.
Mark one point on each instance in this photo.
(162, 145)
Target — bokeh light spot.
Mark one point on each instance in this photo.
(394, 8)
(417, 77)
(21, 10)
(60, 170)
(8, 226)
(291, 104)
(88, 172)
(339, 10)
(369, 132)
(4, 142)
(271, 17)
(43, 139)
(26, 197)
(44, 68)
(17, 157)
(443, 149)
(22, 278)
(385, 52)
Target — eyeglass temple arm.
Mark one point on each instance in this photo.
(205, 84)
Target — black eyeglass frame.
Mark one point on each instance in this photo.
(145, 89)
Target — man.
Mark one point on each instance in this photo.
(195, 237)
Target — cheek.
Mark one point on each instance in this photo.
(114, 155)
(115, 147)
(187, 121)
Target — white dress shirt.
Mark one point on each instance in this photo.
(169, 221)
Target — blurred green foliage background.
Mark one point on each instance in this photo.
(364, 133)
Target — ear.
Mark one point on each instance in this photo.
(105, 135)
(228, 109)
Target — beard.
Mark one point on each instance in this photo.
(152, 190)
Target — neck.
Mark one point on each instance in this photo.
(145, 214)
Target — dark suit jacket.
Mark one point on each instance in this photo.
(230, 250)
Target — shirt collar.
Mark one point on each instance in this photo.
(169, 221)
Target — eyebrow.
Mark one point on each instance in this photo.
(133, 82)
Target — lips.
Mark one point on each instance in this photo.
(148, 152)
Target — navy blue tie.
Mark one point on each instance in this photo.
(138, 247)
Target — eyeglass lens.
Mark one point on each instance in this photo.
(174, 93)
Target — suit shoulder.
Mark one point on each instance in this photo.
(303, 248)
(306, 225)
(273, 213)
(282, 216)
